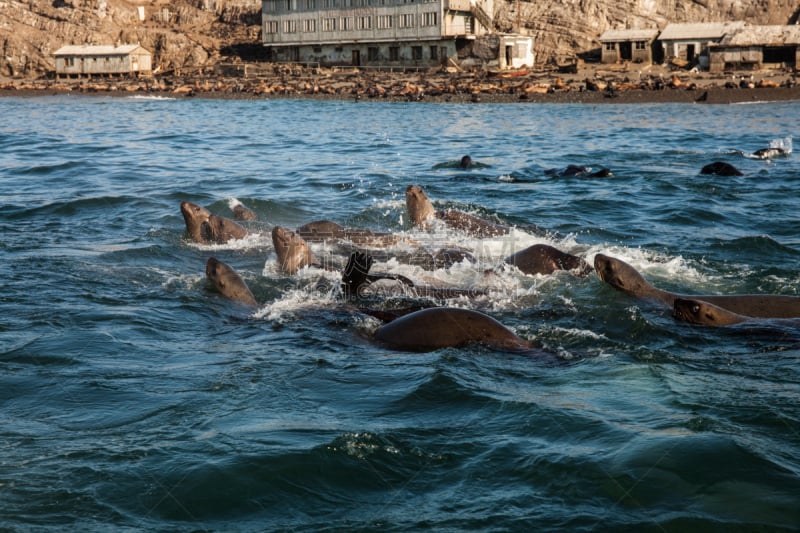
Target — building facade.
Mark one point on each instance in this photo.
(689, 42)
(104, 60)
(757, 47)
(628, 45)
(380, 33)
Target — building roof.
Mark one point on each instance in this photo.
(763, 36)
(611, 36)
(700, 30)
(98, 50)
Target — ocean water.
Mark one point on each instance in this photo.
(134, 397)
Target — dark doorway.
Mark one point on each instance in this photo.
(690, 52)
(625, 51)
(356, 58)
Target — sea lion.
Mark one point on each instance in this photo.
(769, 153)
(578, 171)
(465, 162)
(443, 327)
(240, 212)
(194, 216)
(721, 169)
(228, 282)
(708, 314)
(220, 230)
(545, 259)
(323, 230)
(421, 211)
(205, 227)
(292, 250)
(625, 278)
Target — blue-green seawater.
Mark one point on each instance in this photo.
(134, 397)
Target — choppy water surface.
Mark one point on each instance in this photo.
(134, 397)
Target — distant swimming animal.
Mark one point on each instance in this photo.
(466, 162)
(421, 211)
(578, 171)
(442, 327)
(721, 169)
(228, 282)
(769, 153)
(627, 279)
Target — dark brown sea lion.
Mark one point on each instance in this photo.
(220, 230)
(625, 278)
(708, 314)
(292, 250)
(194, 216)
(544, 259)
(721, 168)
(421, 211)
(228, 282)
(444, 327)
(324, 230)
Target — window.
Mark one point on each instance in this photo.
(363, 23)
(384, 22)
(310, 25)
(346, 24)
(406, 21)
(430, 18)
(291, 5)
(311, 5)
(434, 53)
(394, 53)
(416, 53)
(372, 53)
(611, 46)
(641, 45)
(329, 24)
(271, 26)
(328, 4)
(289, 26)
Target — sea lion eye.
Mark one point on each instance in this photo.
(695, 309)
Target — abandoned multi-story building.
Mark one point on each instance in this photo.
(387, 33)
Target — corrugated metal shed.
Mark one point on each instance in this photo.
(700, 31)
(97, 50)
(763, 36)
(613, 36)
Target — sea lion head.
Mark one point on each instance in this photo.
(466, 162)
(194, 216)
(419, 206)
(620, 275)
(292, 250)
(228, 282)
(700, 312)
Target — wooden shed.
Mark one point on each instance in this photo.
(757, 47)
(628, 45)
(103, 60)
(689, 42)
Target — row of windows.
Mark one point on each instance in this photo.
(382, 22)
(274, 6)
(373, 53)
(639, 45)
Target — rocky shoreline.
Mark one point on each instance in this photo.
(592, 84)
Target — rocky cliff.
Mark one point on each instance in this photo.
(186, 35)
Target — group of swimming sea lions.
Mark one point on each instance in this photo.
(425, 326)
